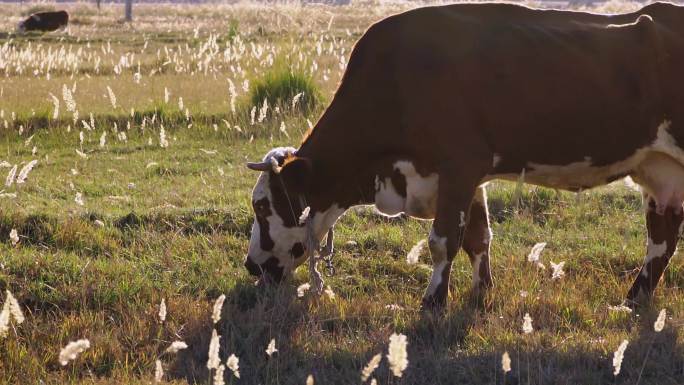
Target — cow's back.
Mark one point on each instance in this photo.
(436, 76)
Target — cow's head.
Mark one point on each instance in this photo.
(21, 28)
(278, 240)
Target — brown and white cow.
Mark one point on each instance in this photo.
(439, 100)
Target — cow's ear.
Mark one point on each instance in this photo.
(296, 174)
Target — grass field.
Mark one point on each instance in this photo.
(138, 196)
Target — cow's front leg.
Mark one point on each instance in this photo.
(478, 237)
(455, 194)
(663, 225)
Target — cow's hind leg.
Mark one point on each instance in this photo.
(455, 194)
(477, 240)
(663, 234)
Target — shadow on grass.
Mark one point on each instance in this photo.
(436, 350)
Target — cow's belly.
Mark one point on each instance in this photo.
(419, 198)
(574, 176)
(658, 168)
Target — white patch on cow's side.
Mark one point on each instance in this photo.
(653, 250)
(496, 160)
(421, 191)
(463, 220)
(477, 261)
(387, 200)
(436, 278)
(681, 228)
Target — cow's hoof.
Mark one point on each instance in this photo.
(433, 304)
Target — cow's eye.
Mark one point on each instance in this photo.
(260, 207)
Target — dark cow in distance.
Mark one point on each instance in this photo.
(439, 100)
(44, 22)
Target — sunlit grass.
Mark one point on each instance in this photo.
(172, 223)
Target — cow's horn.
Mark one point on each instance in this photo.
(260, 166)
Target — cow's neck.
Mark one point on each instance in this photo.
(336, 154)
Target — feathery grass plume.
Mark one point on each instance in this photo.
(397, 355)
(618, 356)
(527, 324)
(302, 289)
(23, 174)
(252, 115)
(181, 106)
(271, 348)
(167, 95)
(329, 293)
(374, 381)
(163, 142)
(305, 214)
(505, 362)
(233, 95)
(535, 254)
(103, 139)
(263, 111)
(370, 368)
(162, 311)
(558, 272)
(284, 130)
(296, 98)
(112, 97)
(4, 319)
(81, 154)
(659, 323)
(218, 376)
(14, 237)
(72, 350)
(233, 363)
(310, 380)
(79, 199)
(214, 360)
(68, 98)
(218, 306)
(55, 106)
(81, 137)
(620, 308)
(10, 176)
(176, 346)
(87, 125)
(158, 371)
(413, 255)
(14, 308)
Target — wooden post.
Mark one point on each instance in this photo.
(129, 10)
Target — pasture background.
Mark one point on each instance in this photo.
(177, 221)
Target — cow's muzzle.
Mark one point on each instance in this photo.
(269, 271)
